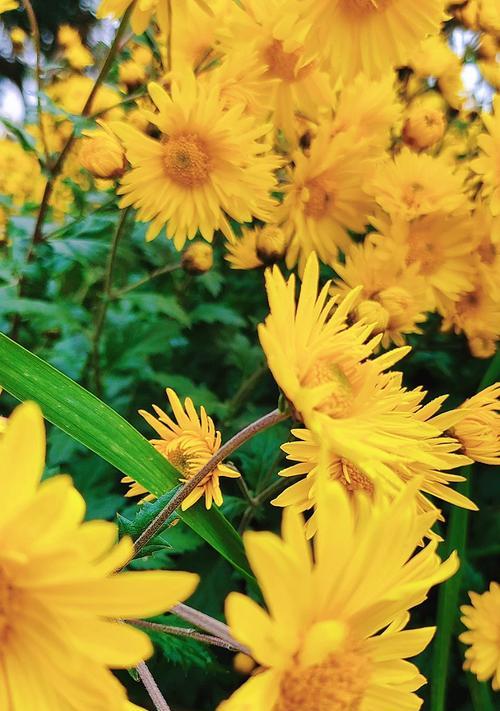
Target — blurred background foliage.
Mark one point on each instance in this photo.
(196, 334)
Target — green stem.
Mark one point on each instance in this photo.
(140, 282)
(449, 592)
(35, 31)
(103, 310)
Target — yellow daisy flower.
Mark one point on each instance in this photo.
(411, 185)
(59, 599)
(209, 163)
(242, 251)
(333, 634)
(482, 619)
(322, 365)
(305, 451)
(325, 197)
(394, 297)
(487, 164)
(478, 426)
(370, 36)
(188, 442)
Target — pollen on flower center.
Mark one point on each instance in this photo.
(317, 200)
(422, 249)
(412, 195)
(282, 65)
(186, 160)
(338, 402)
(363, 6)
(336, 684)
(351, 478)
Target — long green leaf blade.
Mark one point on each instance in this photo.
(96, 425)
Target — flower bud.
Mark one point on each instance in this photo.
(198, 258)
(132, 74)
(423, 127)
(243, 664)
(374, 313)
(18, 38)
(271, 244)
(102, 155)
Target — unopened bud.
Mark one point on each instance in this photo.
(271, 244)
(243, 664)
(424, 127)
(198, 258)
(102, 155)
(374, 313)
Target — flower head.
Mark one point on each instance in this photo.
(487, 164)
(482, 619)
(101, 154)
(332, 636)
(423, 127)
(210, 163)
(59, 599)
(142, 13)
(188, 442)
(242, 251)
(6, 5)
(478, 426)
(198, 258)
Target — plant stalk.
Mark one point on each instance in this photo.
(152, 688)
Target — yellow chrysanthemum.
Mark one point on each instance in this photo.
(478, 426)
(142, 14)
(370, 36)
(101, 153)
(423, 127)
(394, 297)
(332, 637)
(209, 163)
(188, 442)
(482, 619)
(305, 451)
(411, 185)
(438, 244)
(325, 197)
(487, 165)
(59, 600)
(6, 5)
(323, 366)
(242, 251)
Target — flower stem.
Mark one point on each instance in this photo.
(152, 688)
(35, 31)
(214, 640)
(103, 310)
(245, 434)
(140, 282)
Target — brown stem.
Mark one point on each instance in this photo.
(35, 31)
(152, 688)
(204, 622)
(156, 273)
(245, 434)
(103, 310)
(191, 634)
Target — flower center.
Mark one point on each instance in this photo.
(422, 249)
(316, 200)
(412, 195)
(338, 683)
(339, 401)
(186, 160)
(366, 6)
(351, 478)
(283, 65)
(6, 599)
(487, 252)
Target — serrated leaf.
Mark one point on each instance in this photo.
(145, 513)
(93, 423)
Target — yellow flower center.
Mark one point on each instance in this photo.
(351, 478)
(487, 251)
(366, 6)
(338, 403)
(316, 200)
(338, 683)
(422, 249)
(6, 599)
(186, 160)
(283, 65)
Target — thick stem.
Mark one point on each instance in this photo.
(205, 622)
(101, 315)
(191, 634)
(152, 688)
(245, 434)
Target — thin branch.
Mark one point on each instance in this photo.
(245, 434)
(191, 634)
(35, 31)
(152, 688)
(103, 310)
(152, 275)
(170, 33)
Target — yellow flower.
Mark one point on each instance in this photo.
(242, 251)
(79, 57)
(270, 242)
(142, 14)
(482, 619)
(68, 35)
(208, 164)
(188, 442)
(394, 297)
(18, 37)
(59, 599)
(487, 164)
(322, 365)
(433, 57)
(370, 36)
(198, 258)
(101, 154)
(389, 482)
(72, 93)
(325, 197)
(439, 245)
(6, 5)
(478, 426)
(132, 73)
(411, 185)
(423, 128)
(332, 637)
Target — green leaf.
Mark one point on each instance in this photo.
(145, 514)
(217, 313)
(93, 423)
(27, 141)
